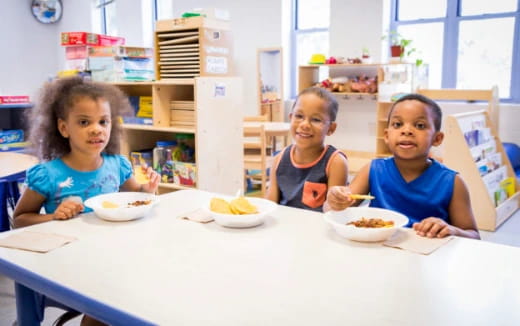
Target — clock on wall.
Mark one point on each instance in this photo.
(47, 11)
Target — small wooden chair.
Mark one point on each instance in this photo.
(256, 156)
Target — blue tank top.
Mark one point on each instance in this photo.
(304, 186)
(429, 195)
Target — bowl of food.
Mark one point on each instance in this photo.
(122, 206)
(366, 224)
(239, 212)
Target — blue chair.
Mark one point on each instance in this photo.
(9, 195)
(513, 152)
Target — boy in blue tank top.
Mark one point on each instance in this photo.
(435, 198)
(304, 170)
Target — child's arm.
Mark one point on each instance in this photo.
(153, 182)
(338, 196)
(338, 178)
(27, 211)
(273, 193)
(461, 216)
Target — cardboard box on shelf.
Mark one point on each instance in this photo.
(84, 38)
(190, 22)
(11, 136)
(14, 99)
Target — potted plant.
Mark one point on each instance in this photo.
(399, 46)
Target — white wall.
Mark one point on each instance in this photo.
(254, 24)
(355, 24)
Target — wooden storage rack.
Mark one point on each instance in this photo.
(215, 146)
(192, 47)
(457, 156)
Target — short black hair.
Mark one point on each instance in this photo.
(330, 100)
(435, 109)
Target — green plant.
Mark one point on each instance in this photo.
(396, 39)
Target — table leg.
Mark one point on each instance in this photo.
(29, 312)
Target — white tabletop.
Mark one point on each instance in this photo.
(12, 163)
(292, 270)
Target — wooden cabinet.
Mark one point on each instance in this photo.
(472, 147)
(217, 127)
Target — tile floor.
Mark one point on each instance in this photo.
(507, 234)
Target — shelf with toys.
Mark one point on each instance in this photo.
(210, 102)
(365, 82)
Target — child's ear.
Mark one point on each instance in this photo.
(385, 136)
(438, 138)
(332, 128)
(62, 128)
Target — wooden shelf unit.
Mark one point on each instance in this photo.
(217, 129)
(192, 47)
(457, 156)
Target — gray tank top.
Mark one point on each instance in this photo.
(304, 186)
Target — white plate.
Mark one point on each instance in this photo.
(124, 212)
(264, 206)
(339, 219)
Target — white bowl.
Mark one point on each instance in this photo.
(339, 219)
(264, 206)
(124, 211)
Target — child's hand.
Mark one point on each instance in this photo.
(68, 209)
(433, 227)
(153, 179)
(338, 198)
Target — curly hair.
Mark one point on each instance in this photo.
(56, 100)
(325, 95)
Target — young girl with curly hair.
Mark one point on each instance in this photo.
(75, 132)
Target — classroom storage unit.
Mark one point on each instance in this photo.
(216, 127)
(192, 47)
(472, 147)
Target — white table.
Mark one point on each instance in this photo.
(292, 270)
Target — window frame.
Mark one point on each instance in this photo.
(295, 32)
(451, 37)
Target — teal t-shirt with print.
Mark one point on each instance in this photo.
(56, 181)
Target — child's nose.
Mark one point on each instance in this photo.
(407, 129)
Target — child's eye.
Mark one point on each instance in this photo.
(104, 122)
(316, 121)
(396, 124)
(298, 116)
(83, 123)
(420, 125)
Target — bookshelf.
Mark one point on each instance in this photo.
(472, 147)
(216, 124)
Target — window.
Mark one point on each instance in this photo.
(310, 34)
(468, 44)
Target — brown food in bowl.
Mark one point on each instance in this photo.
(371, 223)
(139, 203)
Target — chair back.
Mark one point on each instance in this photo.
(256, 158)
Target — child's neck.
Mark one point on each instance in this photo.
(411, 170)
(80, 162)
(307, 155)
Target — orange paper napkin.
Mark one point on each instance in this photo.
(35, 241)
(407, 239)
